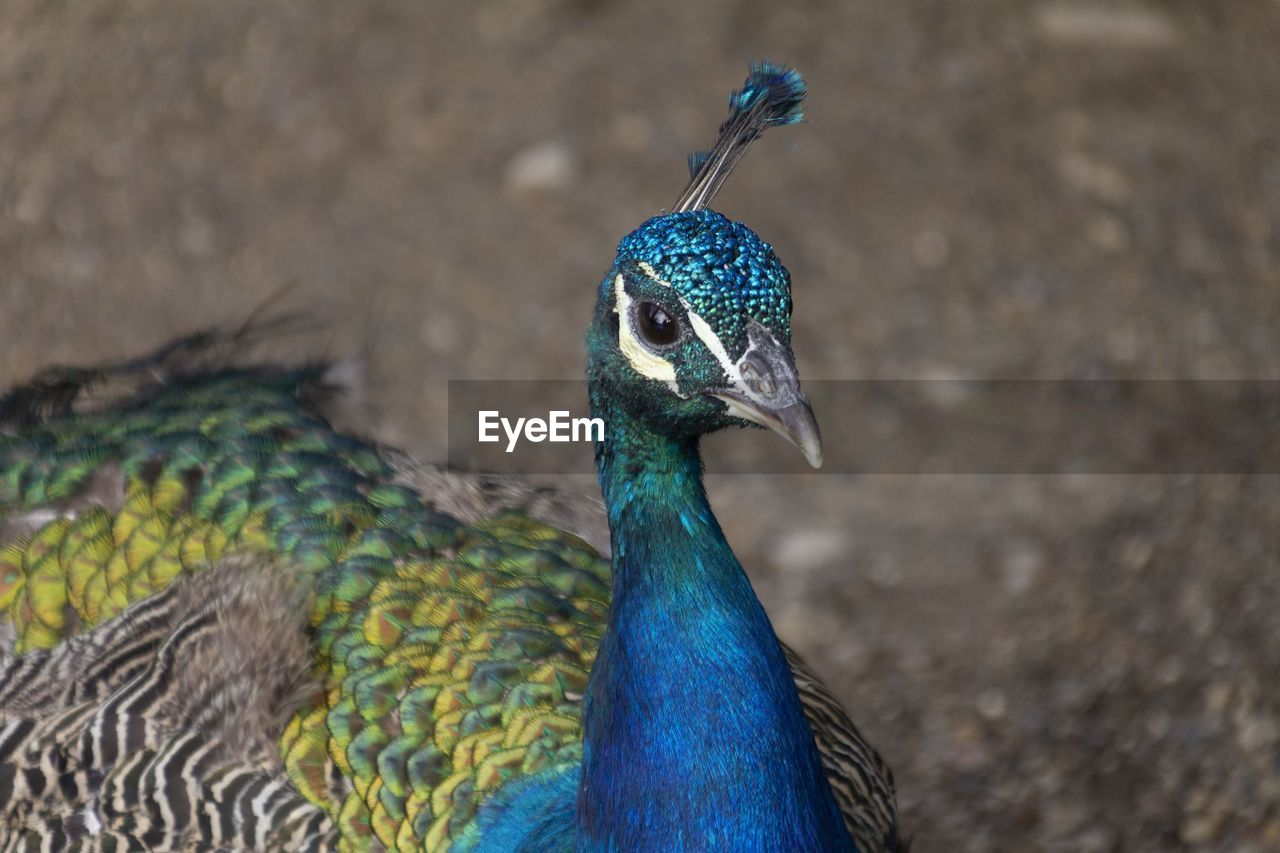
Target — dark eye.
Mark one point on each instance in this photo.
(656, 325)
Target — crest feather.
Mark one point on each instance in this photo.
(771, 96)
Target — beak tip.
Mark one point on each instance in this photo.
(813, 455)
(794, 422)
(801, 429)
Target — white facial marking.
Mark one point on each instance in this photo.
(645, 362)
(700, 327)
(648, 270)
(708, 337)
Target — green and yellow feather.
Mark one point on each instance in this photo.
(451, 656)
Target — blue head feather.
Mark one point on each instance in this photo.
(721, 268)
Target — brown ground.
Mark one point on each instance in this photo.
(993, 188)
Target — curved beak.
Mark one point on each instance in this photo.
(767, 392)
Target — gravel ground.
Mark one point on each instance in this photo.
(988, 189)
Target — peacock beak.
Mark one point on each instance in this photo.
(767, 392)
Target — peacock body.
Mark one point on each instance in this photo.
(228, 625)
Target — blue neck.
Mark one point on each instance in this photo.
(694, 736)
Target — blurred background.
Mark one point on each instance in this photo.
(993, 189)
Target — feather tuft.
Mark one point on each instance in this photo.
(771, 96)
(779, 89)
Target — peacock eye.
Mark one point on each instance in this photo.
(656, 326)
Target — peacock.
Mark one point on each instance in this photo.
(229, 625)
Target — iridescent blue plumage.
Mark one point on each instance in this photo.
(694, 736)
(779, 88)
(725, 272)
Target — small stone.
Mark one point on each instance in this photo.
(1095, 839)
(1094, 177)
(1170, 670)
(546, 166)
(441, 333)
(32, 204)
(1216, 697)
(1124, 345)
(931, 248)
(992, 704)
(1019, 565)
(1108, 234)
(1199, 829)
(944, 386)
(851, 654)
(1063, 819)
(808, 549)
(1136, 553)
(968, 753)
(1257, 733)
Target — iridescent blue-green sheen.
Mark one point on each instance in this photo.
(694, 737)
(783, 86)
(720, 267)
(532, 814)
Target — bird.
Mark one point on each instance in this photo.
(225, 623)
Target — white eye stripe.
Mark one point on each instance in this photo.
(646, 363)
(651, 273)
(712, 342)
(700, 326)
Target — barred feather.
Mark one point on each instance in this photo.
(158, 728)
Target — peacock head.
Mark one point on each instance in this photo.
(692, 331)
